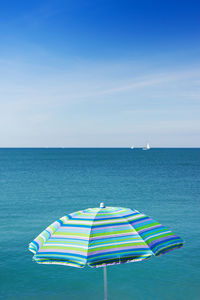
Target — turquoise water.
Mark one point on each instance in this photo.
(38, 186)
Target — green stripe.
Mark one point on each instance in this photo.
(146, 226)
(112, 240)
(159, 237)
(63, 248)
(116, 247)
(147, 234)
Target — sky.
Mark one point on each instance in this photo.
(99, 73)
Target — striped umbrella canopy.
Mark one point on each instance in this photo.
(102, 236)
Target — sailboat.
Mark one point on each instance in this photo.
(147, 147)
(132, 147)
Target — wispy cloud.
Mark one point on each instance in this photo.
(151, 81)
(88, 82)
(94, 101)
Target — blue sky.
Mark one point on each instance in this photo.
(99, 73)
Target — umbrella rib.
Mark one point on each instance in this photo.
(138, 234)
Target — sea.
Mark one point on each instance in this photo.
(38, 186)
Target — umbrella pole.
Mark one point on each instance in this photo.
(105, 283)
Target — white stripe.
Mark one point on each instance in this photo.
(146, 239)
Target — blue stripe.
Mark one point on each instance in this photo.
(36, 244)
(150, 221)
(68, 238)
(133, 251)
(153, 231)
(59, 253)
(167, 241)
(104, 219)
(60, 221)
(118, 239)
(140, 220)
(96, 226)
(168, 249)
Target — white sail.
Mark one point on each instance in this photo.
(147, 147)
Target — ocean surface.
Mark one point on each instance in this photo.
(38, 186)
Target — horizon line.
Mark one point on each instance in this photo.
(71, 147)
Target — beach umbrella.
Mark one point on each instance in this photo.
(102, 236)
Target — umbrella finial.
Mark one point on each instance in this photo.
(102, 205)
